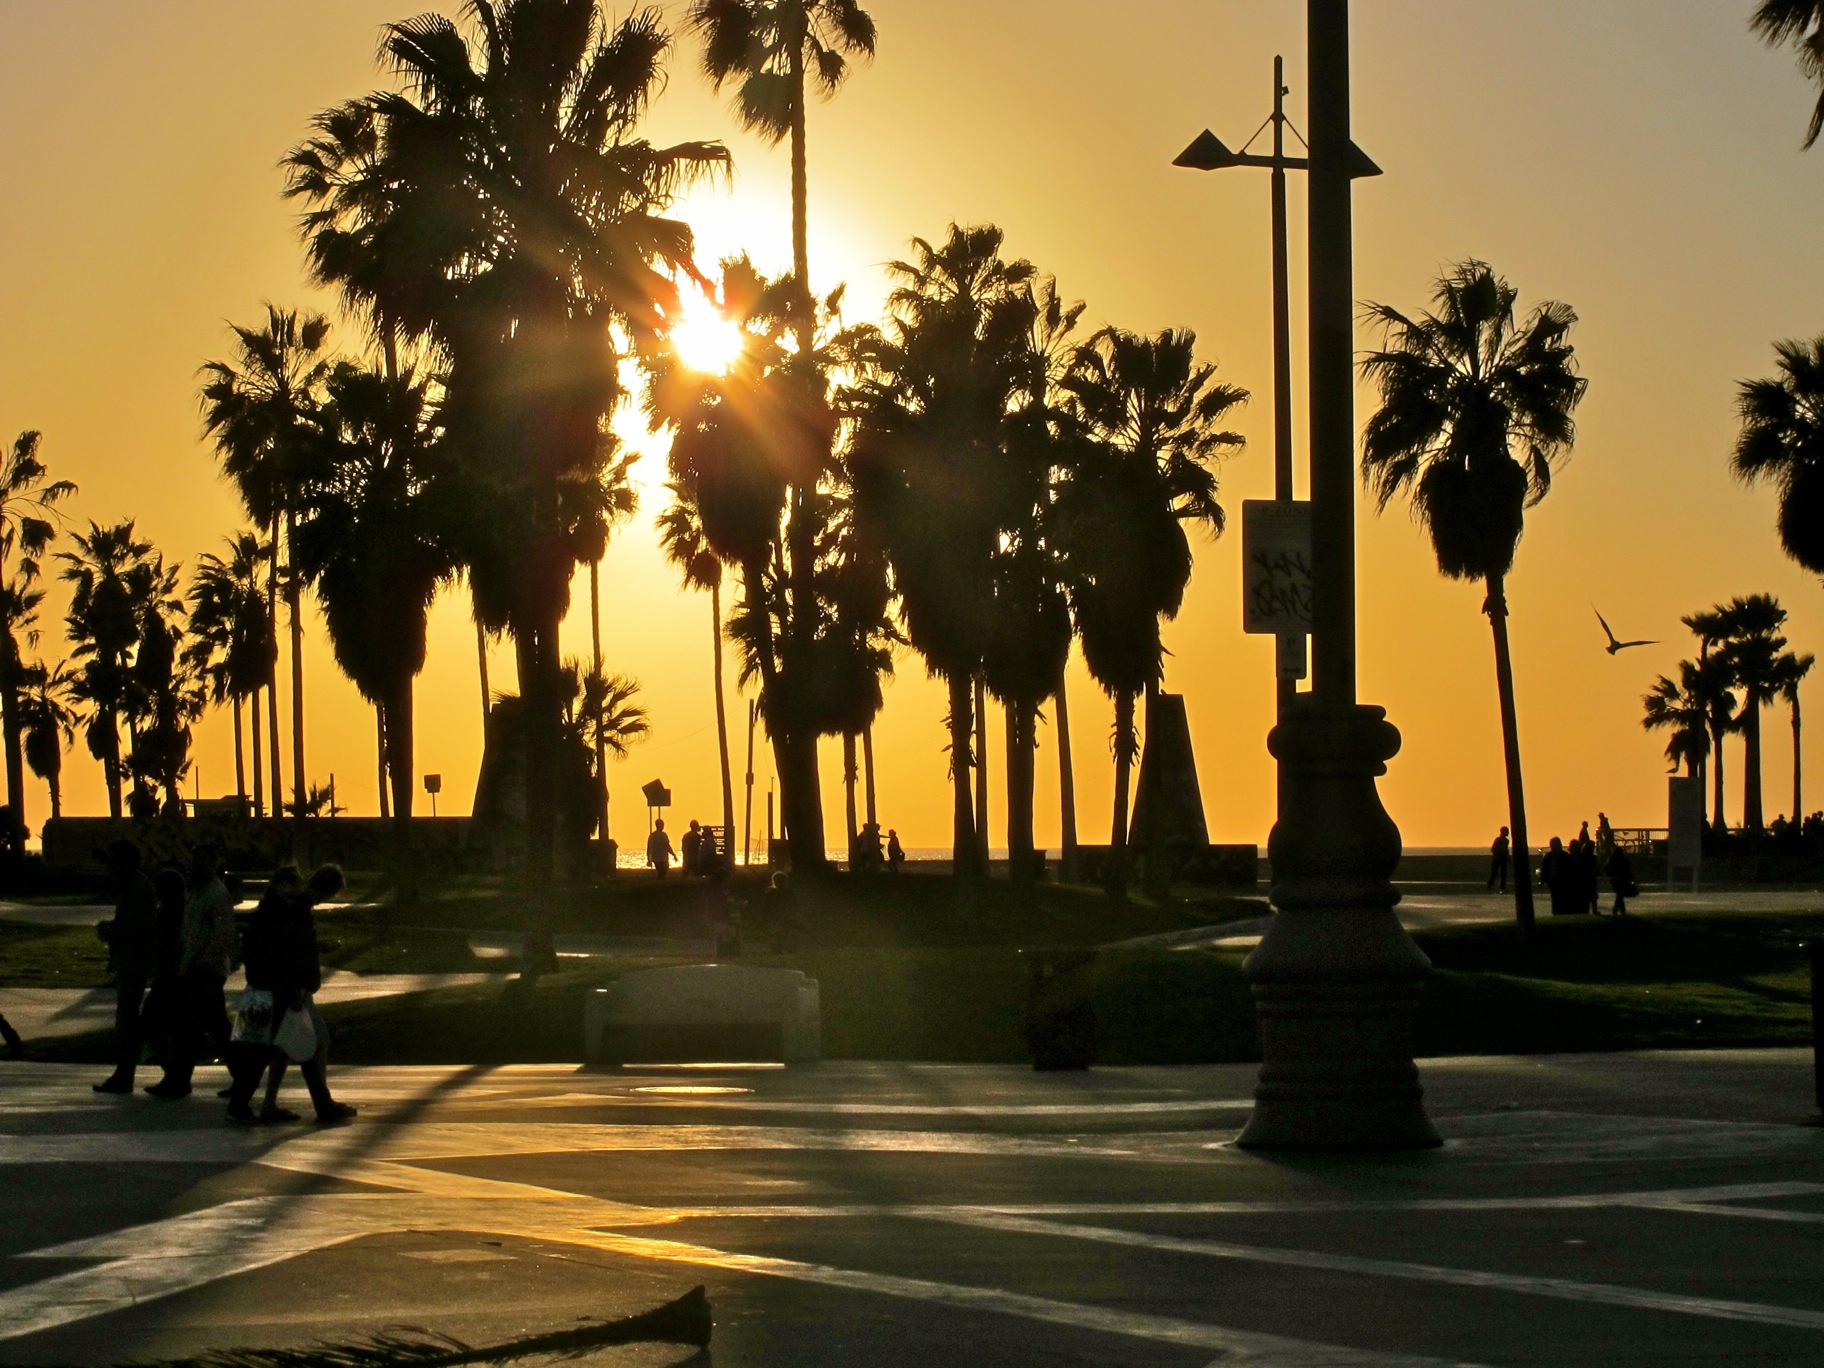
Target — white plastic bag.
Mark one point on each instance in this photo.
(297, 1034)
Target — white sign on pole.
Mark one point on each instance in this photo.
(1276, 568)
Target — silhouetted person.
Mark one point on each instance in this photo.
(868, 854)
(1605, 837)
(207, 958)
(1589, 876)
(1558, 874)
(690, 850)
(251, 1050)
(896, 853)
(658, 848)
(132, 940)
(1500, 856)
(161, 1020)
(1621, 879)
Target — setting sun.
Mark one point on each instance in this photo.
(703, 338)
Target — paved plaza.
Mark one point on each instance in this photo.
(1595, 1209)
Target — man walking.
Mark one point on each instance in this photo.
(132, 941)
(207, 958)
(1499, 857)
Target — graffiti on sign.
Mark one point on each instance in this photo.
(1276, 566)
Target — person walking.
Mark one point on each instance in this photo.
(205, 961)
(658, 848)
(896, 853)
(161, 1020)
(1500, 856)
(131, 936)
(1621, 880)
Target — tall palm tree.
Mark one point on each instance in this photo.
(103, 621)
(167, 692)
(500, 205)
(933, 412)
(1752, 647)
(20, 599)
(776, 50)
(231, 639)
(681, 536)
(259, 409)
(29, 520)
(370, 540)
(605, 721)
(1790, 671)
(1800, 25)
(610, 498)
(1153, 415)
(1679, 707)
(1782, 440)
(1715, 680)
(47, 720)
(1476, 405)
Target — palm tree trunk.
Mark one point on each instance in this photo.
(110, 764)
(608, 860)
(386, 808)
(1798, 786)
(481, 662)
(297, 665)
(399, 762)
(965, 855)
(259, 794)
(981, 769)
(801, 252)
(1021, 746)
(275, 770)
(1718, 822)
(15, 755)
(240, 757)
(1067, 790)
(55, 780)
(728, 778)
(535, 644)
(1496, 607)
(1124, 763)
(849, 777)
(1751, 765)
(867, 766)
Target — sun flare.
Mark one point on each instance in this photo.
(703, 338)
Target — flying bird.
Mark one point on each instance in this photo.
(1615, 645)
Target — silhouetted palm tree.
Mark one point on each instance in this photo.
(1715, 680)
(29, 521)
(776, 49)
(604, 720)
(259, 409)
(369, 539)
(681, 536)
(47, 723)
(501, 204)
(1752, 647)
(1153, 416)
(1475, 407)
(1800, 24)
(167, 693)
(103, 623)
(1790, 671)
(1782, 440)
(1679, 707)
(231, 639)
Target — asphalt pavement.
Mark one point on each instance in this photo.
(1593, 1209)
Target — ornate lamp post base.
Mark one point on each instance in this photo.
(1336, 978)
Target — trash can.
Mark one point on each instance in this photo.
(1060, 1014)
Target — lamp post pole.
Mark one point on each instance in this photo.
(1282, 342)
(1336, 978)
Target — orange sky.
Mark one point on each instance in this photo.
(1638, 159)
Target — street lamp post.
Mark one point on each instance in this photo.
(1336, 978)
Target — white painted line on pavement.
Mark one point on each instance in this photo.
(1608, 1294)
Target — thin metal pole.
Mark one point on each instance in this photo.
(1332, 327)
(1287, 692)
(747, 812)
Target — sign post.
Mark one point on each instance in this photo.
(1684, 827)
(433, 785)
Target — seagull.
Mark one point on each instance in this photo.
(1615, 645)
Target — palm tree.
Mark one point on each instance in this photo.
(1799, 24)
(104, 571)
(166, 692)
(1475, 407)
(1153, 416)
(29, 520)
(611, 499)
(231, 639)
(776, 49)
(681, 536)
(1790, 671)
(605, 721)
(1679, 707)
(1782, 440)
(369, 538)
(47, 722)
(1715, 680)
(1752, 647)
(500, 206)
(20, 599)
(258, 409)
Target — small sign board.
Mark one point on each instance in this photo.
(657, 795)
(1276, 567)
(433, 784)
(1293, 658)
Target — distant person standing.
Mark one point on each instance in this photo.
(132, 940)
(1500, 856)
(1558, 875)
(1605, 838)
(658, 848)
(1621, 880)
(690, 850)
(896, 853)
(1589, 876)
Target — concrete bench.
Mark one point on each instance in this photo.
(701, 1013)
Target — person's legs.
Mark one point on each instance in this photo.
(129, 997)
(246, 1062)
